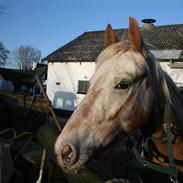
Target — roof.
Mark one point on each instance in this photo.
(172, 54)
(40, 70)
(165, 42)
(26, 77)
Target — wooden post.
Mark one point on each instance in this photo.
(49, 103)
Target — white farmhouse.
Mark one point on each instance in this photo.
(71, 66)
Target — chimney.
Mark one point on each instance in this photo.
(148, 23)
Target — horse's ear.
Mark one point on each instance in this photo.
(110, 37)
(134, 35)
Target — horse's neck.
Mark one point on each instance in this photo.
(176, 125)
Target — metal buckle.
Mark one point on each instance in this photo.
(167, 125)
(174, 179)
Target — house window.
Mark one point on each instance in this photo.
(83, 86)
(57, 83)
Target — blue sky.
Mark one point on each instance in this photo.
(49, 24)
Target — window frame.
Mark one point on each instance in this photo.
(83, 86)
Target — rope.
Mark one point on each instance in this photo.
(14, 137)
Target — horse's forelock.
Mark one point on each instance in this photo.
(112, 50)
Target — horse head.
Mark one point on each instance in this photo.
(125, 93)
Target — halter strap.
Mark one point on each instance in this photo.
(171, 170)
(167, 127)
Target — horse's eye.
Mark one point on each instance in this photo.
(123, 85)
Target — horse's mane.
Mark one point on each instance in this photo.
(112, 50)
(176, 100)
(166, 88)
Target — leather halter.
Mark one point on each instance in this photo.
(139, 147)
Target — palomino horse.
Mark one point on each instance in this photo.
(128, 91)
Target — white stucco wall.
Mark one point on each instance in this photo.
(175, 73)
(64, 95)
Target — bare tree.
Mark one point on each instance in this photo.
(24, 56)
(3, 54)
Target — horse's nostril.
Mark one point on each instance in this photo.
(67, 151)
(68, 155)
